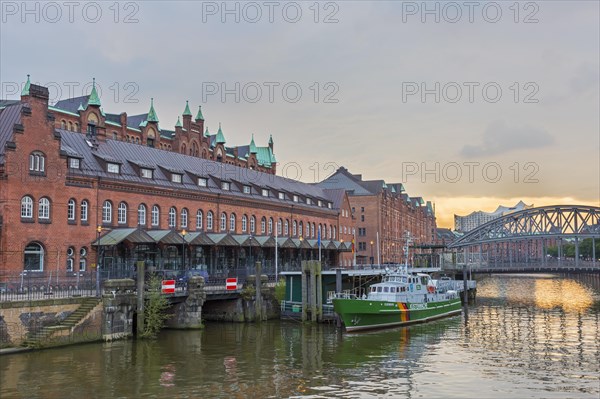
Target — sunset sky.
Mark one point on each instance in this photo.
(481, 107)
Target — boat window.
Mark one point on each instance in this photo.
(373, 289)
(378, 289)
(386, 289)
(392, 289)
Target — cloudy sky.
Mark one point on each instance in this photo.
(470, 105)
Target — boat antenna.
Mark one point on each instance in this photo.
(406, 250)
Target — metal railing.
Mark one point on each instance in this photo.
(29, 285)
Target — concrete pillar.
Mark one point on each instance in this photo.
(338, 281)
(258, 290)
(141, 275)
(319, 291)
(188, 313)
(119, 303)
(305, 290)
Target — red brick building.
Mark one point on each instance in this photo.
(384, 214)
(75, 182)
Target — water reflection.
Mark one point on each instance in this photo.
(525, 337)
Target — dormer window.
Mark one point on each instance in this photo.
(176, 178)
(320, 203)
(112, 167)
(329, 205)
(74, 163)
(146, 173)
(265, 192)
(282, 196)
(225, 185)
(202, 182)
(296, 199)
(308, 201)
(246, 189)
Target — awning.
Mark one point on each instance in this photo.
(166, 236)
(198, 238)
(285, 242)
(116, 236)
(301, 243)
(265, 241)
(223, 239)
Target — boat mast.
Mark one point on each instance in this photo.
(406, 250)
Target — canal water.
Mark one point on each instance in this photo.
(525, 337)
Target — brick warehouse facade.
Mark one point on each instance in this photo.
(384, 214)
(58, 185)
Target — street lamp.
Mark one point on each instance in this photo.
(98, 231)
(183, 233)
(372, 253)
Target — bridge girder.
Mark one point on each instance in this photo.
(556, 221)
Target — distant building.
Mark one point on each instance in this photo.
(383, 213)
(473, 220)
(445, 236)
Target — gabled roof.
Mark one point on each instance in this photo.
(9, 116)
(191, 168)
(72, 104)
(342, 179)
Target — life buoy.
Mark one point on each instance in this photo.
(431, 289)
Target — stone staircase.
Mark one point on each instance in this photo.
(37, 338)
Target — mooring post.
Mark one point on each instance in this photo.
(258, 288)
(319, 291)
(338, 281)
(304, 283)
(140, 297)
(465, 292)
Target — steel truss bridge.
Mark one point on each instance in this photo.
(519, 241)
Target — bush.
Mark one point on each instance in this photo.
(155, 309)
(280, 290)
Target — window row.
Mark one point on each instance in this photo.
(70, 126)
(182, 220)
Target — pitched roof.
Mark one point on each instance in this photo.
(342, 179)
(72, 104)
(9, 115)
(164, 161)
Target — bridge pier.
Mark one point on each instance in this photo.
(119, 303)
(188, 313)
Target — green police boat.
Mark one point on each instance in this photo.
(401, 298)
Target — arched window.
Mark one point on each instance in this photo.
(270, 226)
(70, 260)
(279, 227)
(33, 257)
(312, 231)
(27, 207)
(184, 218)
(199, 219)
(155, 216)
(252, 224)
(223, 221)
(84, 211)
(172, 217)
(70, 126)
(142, 215)
(330, 233)
(286, 228)
(76, 126)
(294, 228)
(263, 225)
(82, 259)
(37, 162)
(44, 208)
(63, 124)
(232, 222)
(107, 212)
(300, 228)
(244, 223)
(307, 230)
(122, 213)
(71, 209)
(334, 232)
(209, 220)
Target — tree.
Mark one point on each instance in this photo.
(155, 309)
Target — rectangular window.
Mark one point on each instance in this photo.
(265, 192)
(146, 173)
(329, 205)
(74, 163)
(246, 189)
(296, 199)
(202, 182)
(112, 167)
(320, 203)
(362, 218)
(308, 201)
(225, 185)
(176, 178)
(281, 196)
(362, 208)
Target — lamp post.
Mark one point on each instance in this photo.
(249, 251)
(98, 231)
(371, 252)
(183, 233)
